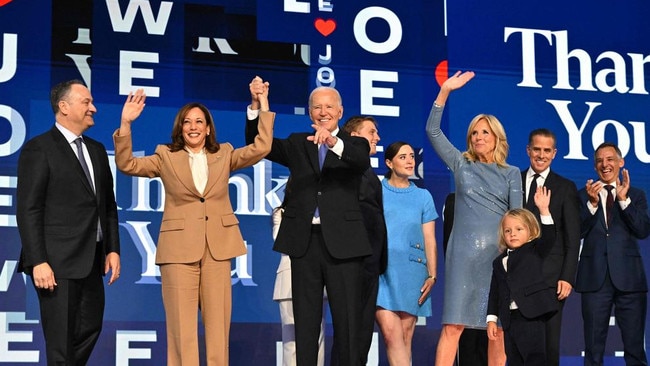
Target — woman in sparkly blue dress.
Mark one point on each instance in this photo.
(411, 271)
(486, 187)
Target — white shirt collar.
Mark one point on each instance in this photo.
(543, 174)
(604, 190)
(69, 135)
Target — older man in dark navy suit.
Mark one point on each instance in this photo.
(611, 273)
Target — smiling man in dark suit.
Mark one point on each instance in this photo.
(67, 219)
(559, 266)
(372, 208)
(611, 273)
(322, 227)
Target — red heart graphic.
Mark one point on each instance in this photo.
(325, 27)
(4, 2)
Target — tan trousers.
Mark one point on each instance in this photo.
(186, 288)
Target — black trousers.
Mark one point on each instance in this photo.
(342, 278)
(371, 284)
(553, 334)
(472, 347)
(525, 340)
(72, 317)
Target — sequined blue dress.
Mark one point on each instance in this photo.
(484, 192)
(405, 210)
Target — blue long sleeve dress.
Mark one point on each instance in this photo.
(484, 192)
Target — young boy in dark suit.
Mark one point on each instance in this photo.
(519, 296)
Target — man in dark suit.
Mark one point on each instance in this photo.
(372, 208)
(67, 219)
(610, 273)
(560, 265)
(322, 227)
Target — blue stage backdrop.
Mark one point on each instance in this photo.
(577, 68)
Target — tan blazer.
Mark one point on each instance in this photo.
(190, 219)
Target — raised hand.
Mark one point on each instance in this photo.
(456, 81)
(623, 186)
(263, 96)
(592, 188)
(258, 87)
(133, 106)
(542, 200)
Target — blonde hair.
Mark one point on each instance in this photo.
(525, 217)
(501, 146)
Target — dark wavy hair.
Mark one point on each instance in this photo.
(60, 92)
(178, 142)
(391, 151)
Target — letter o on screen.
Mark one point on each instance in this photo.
(394, 37)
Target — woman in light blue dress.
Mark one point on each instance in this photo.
(404, 287)
(486, 187)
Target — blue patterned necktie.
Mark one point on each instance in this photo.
(322, 151)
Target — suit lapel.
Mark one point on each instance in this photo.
(180, 163)
(601, 212)
(550, 182)
(94, 160)
(312, 155)
(500, 266)
(216, 168)
(532, 208)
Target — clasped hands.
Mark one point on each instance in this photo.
(622, 187)
(259, 90)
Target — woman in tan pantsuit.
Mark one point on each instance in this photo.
(199, 233)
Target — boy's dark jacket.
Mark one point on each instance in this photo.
(524, 281)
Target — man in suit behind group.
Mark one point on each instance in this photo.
(322, 228)
(67, 219)
(372, 208)
(614, 218)
(560, 265)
